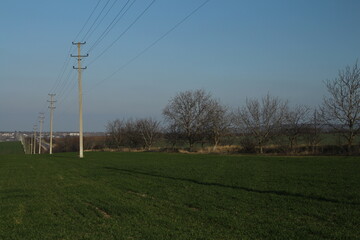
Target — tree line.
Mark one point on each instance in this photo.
(195, 117)
(194, 120)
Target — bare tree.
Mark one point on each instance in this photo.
(294, 123)
(132, 133)
(173, 135)
(341, 109)
(149, 130)
(116, 134)
(133, 137)
(261, 118)
(219, 122)
(314, 131)
(189, 111)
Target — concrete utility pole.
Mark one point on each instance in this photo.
(51, 119)
(34, 147)
(31, 144)
(79, 68)
(41, 121)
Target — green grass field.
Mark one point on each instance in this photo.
(176, 196)
(11, 148)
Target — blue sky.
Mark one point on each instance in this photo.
(232, 48)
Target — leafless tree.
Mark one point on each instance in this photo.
(294, 123)
(149, 130)
(341, 109)
(116, 133)
(67, 144)
(189, 111)
(314, 130)
(173, 135)
(133, 137)
(219, 122)
(261, 118)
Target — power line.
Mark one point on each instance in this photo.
(60, 81)
(62, 71)
(83, 27)
(60, 85)
(71, 82)
(153, 43)
(67, 100)
(102, 19)
(112, 24)
(122, 34)
(69, 88)
(92, 25)
(65, 83)
(67, 58)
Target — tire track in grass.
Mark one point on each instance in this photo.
(168, 202)
(102, 212)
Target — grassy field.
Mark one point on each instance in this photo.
(177, 196)
(11, 148)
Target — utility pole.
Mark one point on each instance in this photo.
(79, 68)
(41, 121)
(34, 147)
(51, 118)
(31, 143)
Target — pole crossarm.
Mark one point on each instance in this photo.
(79, 56)
(79, 68)
(76, 43)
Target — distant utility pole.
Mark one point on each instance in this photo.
(34, 147)
(52, 107)
(79, 68)
(31, 144)
(41, 121)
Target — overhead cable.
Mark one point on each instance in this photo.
(123, 33)
(153, 43)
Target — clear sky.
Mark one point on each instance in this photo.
(234, 49)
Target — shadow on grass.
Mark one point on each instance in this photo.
(276, 192)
